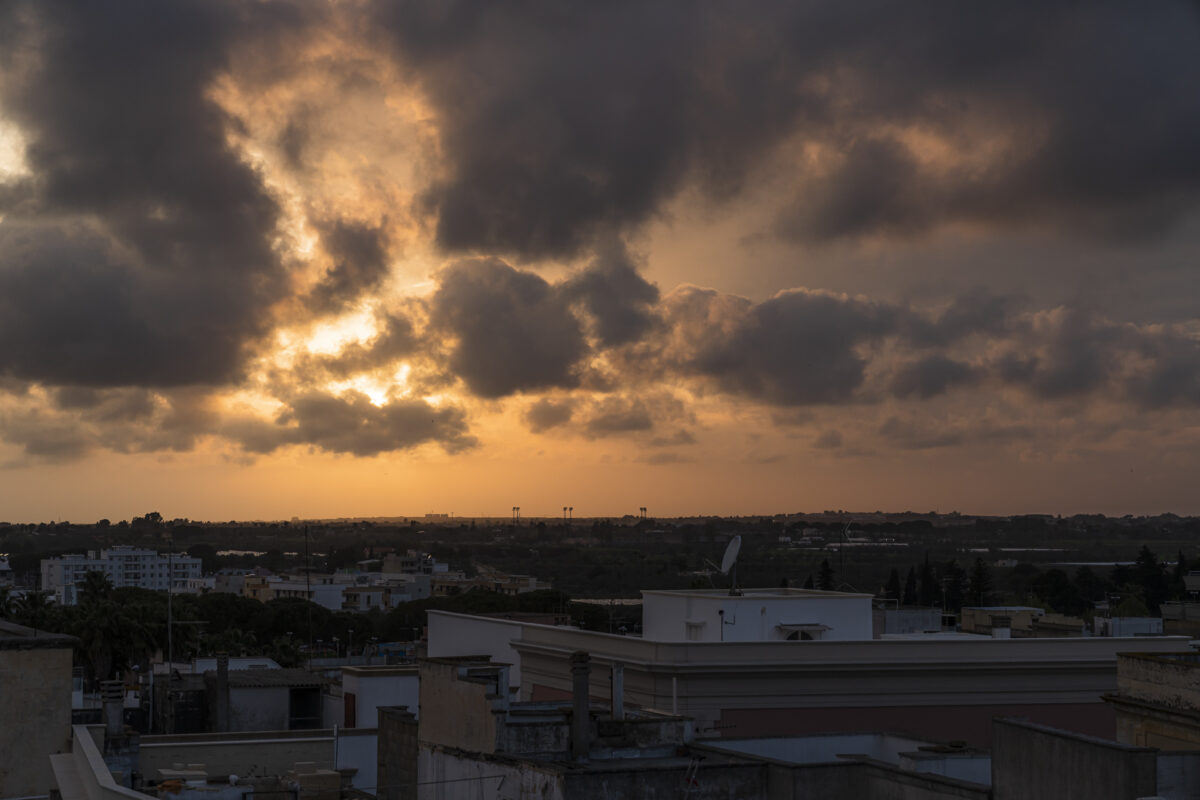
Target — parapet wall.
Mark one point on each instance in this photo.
(1168, 680)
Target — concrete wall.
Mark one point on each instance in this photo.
(264, 753)
(658, 782)
(967, 721)
(456, 711)
(81, 774)
(851, 780)
(35, 716)
(464, 635)
(449, 774)
(819, 749)
(1033, 762)
(358, 749)
(388, 686)
(752, 617)
(1179, 776)
(258, 709)
(397, 755)
(974, 767)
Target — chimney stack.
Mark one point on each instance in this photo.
(581, 674)
(112, 694)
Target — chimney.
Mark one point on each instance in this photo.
(112, 694)
(581, 672)
(1001, 627)
(222, 692)
(618, 690)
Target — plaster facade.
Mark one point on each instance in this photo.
(35, 705)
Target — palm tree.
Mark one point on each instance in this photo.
(94, 587)
(32, 609)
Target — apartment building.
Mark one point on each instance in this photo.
(123, 565)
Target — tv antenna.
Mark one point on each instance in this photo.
(729, 565)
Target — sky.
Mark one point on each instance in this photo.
(267, 259)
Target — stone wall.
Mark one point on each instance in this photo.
(1169, 680)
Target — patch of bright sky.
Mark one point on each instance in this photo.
(332, 336)
(378, 390)
(12, 152)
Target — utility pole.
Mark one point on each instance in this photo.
(170, 616)
(308, 594)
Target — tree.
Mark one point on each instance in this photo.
(825, 577)
(1055, 589)
(910, 588)
(33, 609)
(209, 561)
(1148, 574)
(929, 592)
(1178, 587)
(892, 590)
(953, 581)
(980, 585)
(1090, 585)
(808, 583)
(94, 588)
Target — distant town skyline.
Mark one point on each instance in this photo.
(318, 259)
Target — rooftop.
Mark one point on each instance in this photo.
(19, 637)
(272, 679)
(769, 593)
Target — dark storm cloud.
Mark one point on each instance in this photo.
(72, 311)
(177, 269)
(564, 122)
(360, 263)
(1069, 352)
(352, 424)
(546, 414)
(619, 301)
(977, 312)
(513, 332)
(617, 415)
(45, 437)
(1170, 370)
(798, 348)
(932, 375)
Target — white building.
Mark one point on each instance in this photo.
(123, 565)
(755, 615)
(365, 689)
(773, 662)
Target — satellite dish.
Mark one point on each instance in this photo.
(729, 565)
(731, 554)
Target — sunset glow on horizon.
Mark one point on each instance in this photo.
(276, 259)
